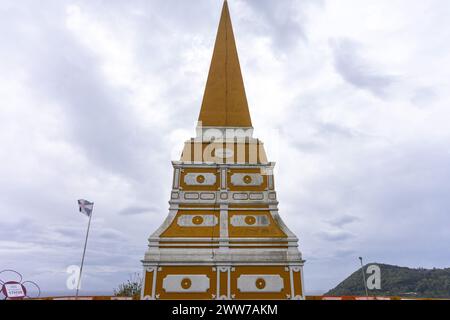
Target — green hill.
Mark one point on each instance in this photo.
(399, 281)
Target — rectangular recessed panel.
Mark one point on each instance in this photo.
(207, 196)
(246, 179)
(240, 196)
(191, 196)
(200, 179)
(249, 220)
(256, 196)
(260, 283)
(197, 221)
(186, 283)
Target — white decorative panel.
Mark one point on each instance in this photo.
(240, 196)
(246, 179)
(272, 196)
(250, 221)
(207, 196)
(176, 179)
(191, 196)
(197, 221)
(186, 283)
(270, 180)
(175, 195)
(256, 196)
(200, 179)
(223, 178)
(296, 269)
(224, 196)
(260, 283)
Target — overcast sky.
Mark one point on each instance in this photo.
(97, 97)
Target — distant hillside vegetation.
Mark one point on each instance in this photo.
(399, 281)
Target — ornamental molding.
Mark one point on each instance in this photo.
(200, 179)
(260, 283)
(186, 283)
(249, 220)
(246, 179)
(199, 220)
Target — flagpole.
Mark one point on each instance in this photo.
(84, 252)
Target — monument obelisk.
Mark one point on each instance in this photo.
(223, 237)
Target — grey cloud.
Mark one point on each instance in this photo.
(403, 199)
(336, 236)
(343, 220)
(285, 22)
(340, 253)
(317, 133)
(322, 134)
(97, 115)
(423, 96)
(131, 211)
(97, 120)
(332, 129)
(110, 234)
(356, 70)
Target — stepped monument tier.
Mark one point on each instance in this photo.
(223, 238)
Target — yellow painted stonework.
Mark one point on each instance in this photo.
(224, 102)
(223, 237)
(174, 230)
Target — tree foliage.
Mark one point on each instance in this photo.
(131, 288)
(399, 281)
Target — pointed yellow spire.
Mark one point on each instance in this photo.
(224, 102)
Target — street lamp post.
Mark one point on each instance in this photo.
(364, 276)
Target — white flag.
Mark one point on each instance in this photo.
(86, 207)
